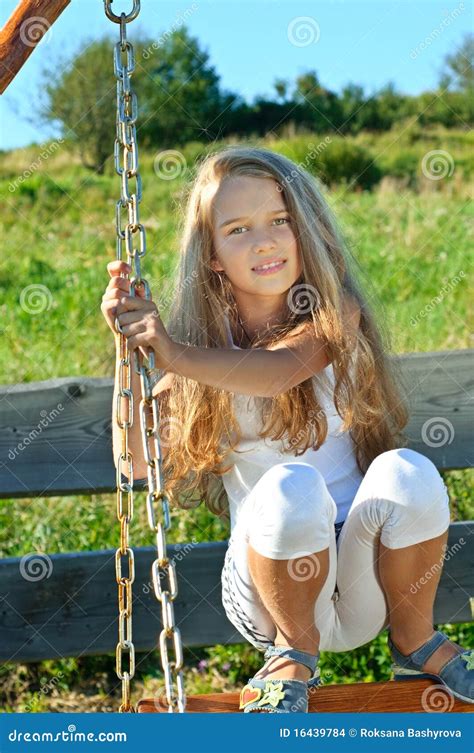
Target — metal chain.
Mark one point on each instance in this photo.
(126, 147)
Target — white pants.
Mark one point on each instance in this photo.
(290, 514)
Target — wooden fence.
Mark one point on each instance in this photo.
(55, 439)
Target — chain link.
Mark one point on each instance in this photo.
(126, 166)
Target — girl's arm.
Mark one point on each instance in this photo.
(260, 371)
(263, 372)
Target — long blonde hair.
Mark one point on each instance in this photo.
(202, 426)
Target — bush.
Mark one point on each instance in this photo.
(40, 187)
(402, 164)
(297, 148)
(342, 161)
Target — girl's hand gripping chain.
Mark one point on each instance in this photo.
(118, 287)
(141, 324)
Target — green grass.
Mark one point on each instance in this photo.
(411, 241)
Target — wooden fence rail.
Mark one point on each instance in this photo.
(56, 435)
(66, 604)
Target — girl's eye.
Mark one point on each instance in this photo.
(286, 219)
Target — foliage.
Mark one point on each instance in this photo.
(177, 90)
(345, 162)
(181, 100)
(458, 71)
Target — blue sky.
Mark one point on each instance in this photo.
(252, 42)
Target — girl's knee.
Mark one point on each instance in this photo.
(412, 477)
(415, 496)
(296, 489)
(292, 511)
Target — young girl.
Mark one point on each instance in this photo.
(280, 408)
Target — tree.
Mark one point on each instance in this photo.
(352, 100)
(458, 73)
(81, 97)
(281, 87)
(321, 106)
(391, 106)
(178, 93)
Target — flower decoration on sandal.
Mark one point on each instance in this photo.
(469, 659)
(273, 693)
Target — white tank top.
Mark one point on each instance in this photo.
(335, 459)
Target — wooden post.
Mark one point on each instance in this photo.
(27, 25)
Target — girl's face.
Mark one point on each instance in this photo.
(252, 227)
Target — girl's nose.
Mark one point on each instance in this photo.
(264, 242)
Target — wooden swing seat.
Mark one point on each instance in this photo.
(391, 696)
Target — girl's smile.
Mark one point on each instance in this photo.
(269, 267)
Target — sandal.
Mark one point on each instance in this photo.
(281, 696)
(457, 674)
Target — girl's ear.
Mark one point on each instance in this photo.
(216, 266)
